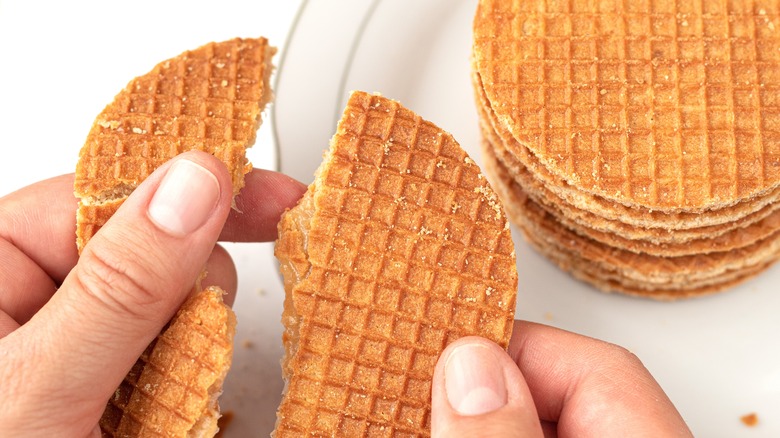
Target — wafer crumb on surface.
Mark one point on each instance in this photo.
(749, 420)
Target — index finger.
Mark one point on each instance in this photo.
(260, 205)
(40, 219)
(590, 387)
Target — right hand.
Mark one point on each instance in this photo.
(552, 383)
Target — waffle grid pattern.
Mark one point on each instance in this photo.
(205, 99)
(639, 265)
(587, 262)
(645, 127)
(614, 217)
(396, 202)
(172, 377)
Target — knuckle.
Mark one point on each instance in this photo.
(625, 357)
(117, 283)
(618, 364)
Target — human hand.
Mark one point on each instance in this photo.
(63, 354)
(552, 383)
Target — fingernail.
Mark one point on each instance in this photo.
(185, 198)
(474, 380)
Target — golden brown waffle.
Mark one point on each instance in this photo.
(673, 104)
(613, 269)
(614, 213)
(636, 144)
(609, 281)
(654, 241)
(398, 248)
(207, 99)
(172, 390)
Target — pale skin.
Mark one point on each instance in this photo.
(63, 354)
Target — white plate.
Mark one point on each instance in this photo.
(717, 357)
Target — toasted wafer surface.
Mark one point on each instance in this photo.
(399, 247)
(207, 99)
(654, 241)
(172, 385)
(613, 269)
(519, 159)
(662, 104)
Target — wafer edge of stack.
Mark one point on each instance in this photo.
(606, 279)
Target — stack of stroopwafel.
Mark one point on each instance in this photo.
(636, 143)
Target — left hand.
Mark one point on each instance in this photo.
(70, 327)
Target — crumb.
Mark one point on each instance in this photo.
(491, 199)
(386, 146)
(224, 422)
(247, 344)
(261, 292)
(108, 124)
(749, 420)
(548, 316)
(139, 131)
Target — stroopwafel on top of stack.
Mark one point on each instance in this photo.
(636, 144)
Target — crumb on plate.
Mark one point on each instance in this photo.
(750, 419)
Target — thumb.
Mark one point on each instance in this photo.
(479, 391)
(129, 281)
